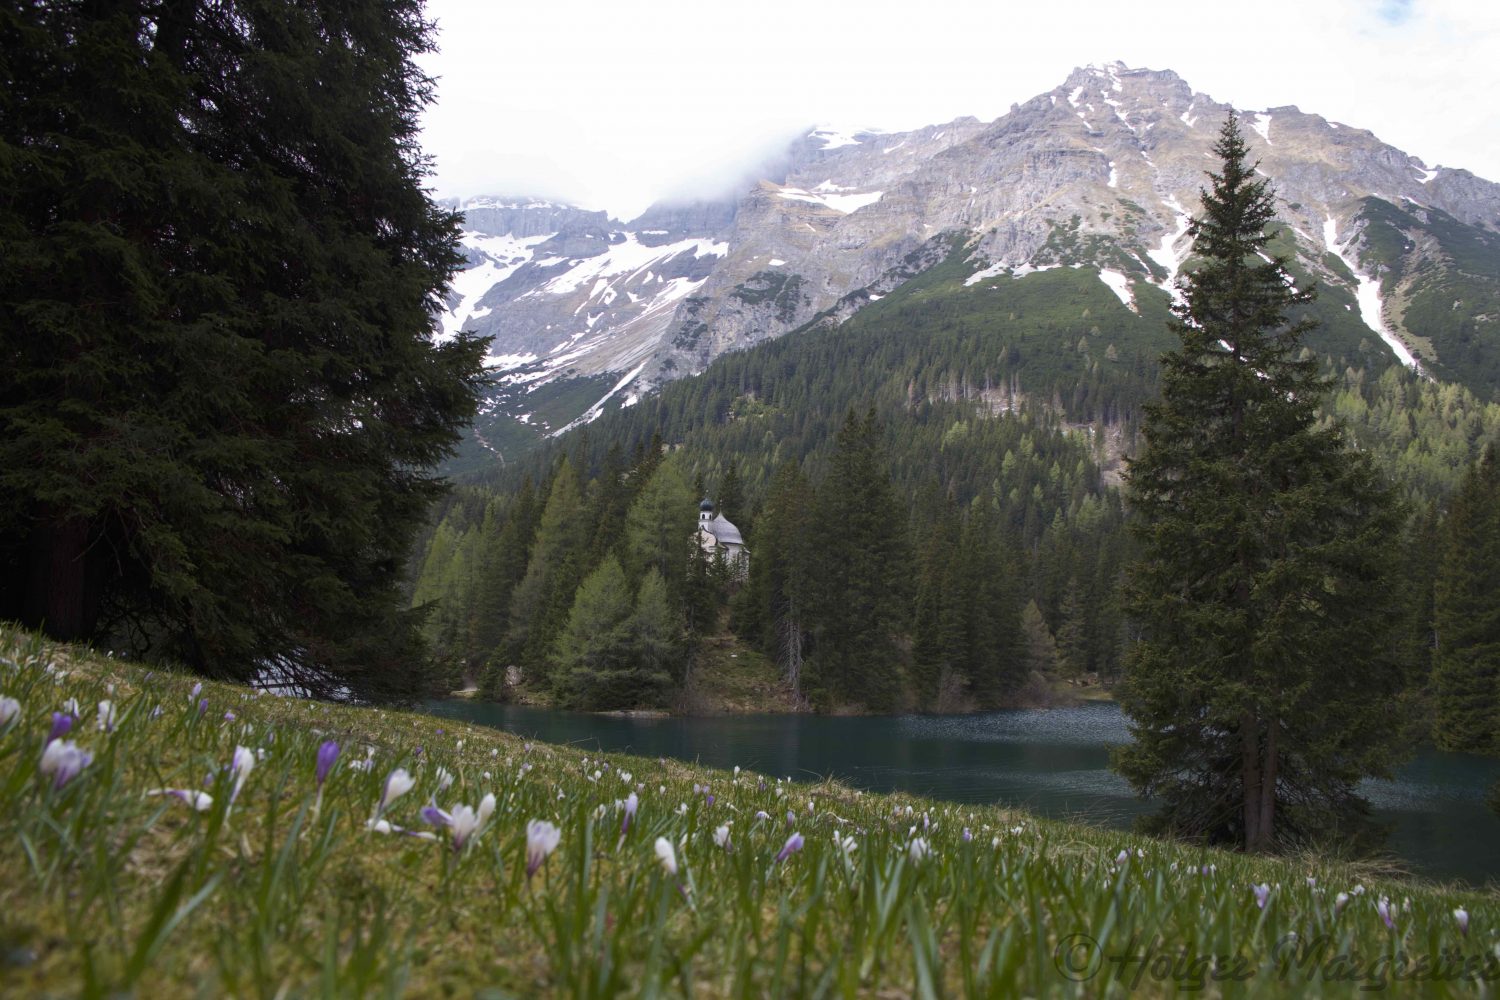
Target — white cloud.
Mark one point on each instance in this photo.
(613, 104)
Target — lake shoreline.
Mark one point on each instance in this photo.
(1052, 762)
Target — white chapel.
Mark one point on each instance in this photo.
(718, 536)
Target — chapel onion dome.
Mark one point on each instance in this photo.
(706, 506)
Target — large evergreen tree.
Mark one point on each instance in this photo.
(219, 394)
(540, 602)
(1466, 613)
(1260, 692)
(859, 576)
(772, 609)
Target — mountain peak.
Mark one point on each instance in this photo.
(1098, 174)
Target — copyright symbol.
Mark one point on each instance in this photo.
(1078, 957)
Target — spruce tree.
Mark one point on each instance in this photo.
(772, 609)
(1260, 692)
(1466, 615)
(220, 398)
(859, 575)
(731, 499)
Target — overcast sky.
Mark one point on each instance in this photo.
(615, 103)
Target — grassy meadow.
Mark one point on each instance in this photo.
(187, 841)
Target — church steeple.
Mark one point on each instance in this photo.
(705, 511)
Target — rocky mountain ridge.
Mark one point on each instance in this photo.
(1100, 172)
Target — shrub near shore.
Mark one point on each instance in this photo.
(188, 837)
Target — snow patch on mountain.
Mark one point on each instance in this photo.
(1022, 270)
(1120, 285)
(631, 257)
(500, 257)
(841, 203)
(993, 271)
(1166, 253)
(1367, 295)
(1261, 122)
(832, 138)
(505, 362)
(593, 412)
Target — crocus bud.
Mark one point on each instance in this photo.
(397, 784)
(792, 846)
(465, 822)
(61, 723)
(541, 840)
(327, 754)
(9, 709)
(632, 802)
(1462, 916)
(666, 855)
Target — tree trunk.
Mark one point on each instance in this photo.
(790, 628)
(1250, 777)
(63, 582)
(1268, 788)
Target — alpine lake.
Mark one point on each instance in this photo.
(1052, 762)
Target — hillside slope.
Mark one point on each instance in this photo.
(277, 885)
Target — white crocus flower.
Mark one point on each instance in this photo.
(397, 784)
(464, 822)
(542, 839)
(667, 855)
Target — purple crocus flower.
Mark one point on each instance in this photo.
(1384, 908)
(632, 803)
(61, 723)
(202, 706)
(792, 846)
(228, 716)
(197, 690)
(435, 816)
(1262, 894)
(327, 754)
